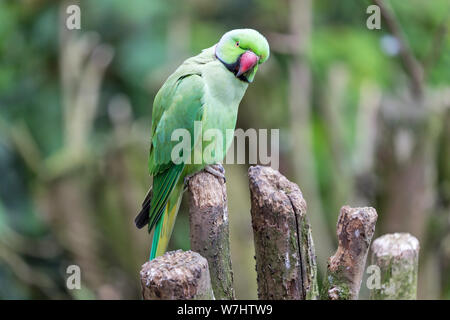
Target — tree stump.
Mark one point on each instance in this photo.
(285, 259)
(397, 255)
(176, 275)
(209, 229)
(355, 228)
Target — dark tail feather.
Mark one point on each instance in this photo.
(142, 218)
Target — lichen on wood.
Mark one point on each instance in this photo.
(397, 256)
(355, 228)
(209, 230)
(284, 250)
(176, 275)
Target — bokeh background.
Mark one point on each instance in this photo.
(363, 114)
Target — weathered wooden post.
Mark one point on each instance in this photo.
(176, 275)
(285, 259)
(397, 256)
(208, 216)
(355, 228)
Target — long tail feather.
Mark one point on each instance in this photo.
(143, 218)
(164, 227)
(163, 184)
(156, 235)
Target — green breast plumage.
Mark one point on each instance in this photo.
(222, 94)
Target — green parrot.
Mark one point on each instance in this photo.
(206, 89)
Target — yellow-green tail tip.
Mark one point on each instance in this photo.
(155, 241)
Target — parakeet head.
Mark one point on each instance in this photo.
(241, 51)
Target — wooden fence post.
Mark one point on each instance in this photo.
(176, 275)
(397, 256)
(355, 228)
(208, 216)
(285, 259)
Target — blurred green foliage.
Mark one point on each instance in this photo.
(149, 39)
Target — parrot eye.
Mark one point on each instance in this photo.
(237, 43)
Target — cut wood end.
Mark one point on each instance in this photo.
(396, 244)
(354, 223)
(175, 275)
(206, 189)
(270, 185)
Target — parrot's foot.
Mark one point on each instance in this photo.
(216, 170)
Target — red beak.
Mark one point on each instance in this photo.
(248, 60)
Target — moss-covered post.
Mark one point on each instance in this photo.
(208, 216)
(355, 228)
(284, 250)
(176, 275)
(397, 256)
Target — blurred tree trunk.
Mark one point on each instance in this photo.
(66, 202)
(404, 161)
(443, 205)
(406, 156)
(301, 129)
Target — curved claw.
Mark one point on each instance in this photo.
(216, 170)
(186, 182)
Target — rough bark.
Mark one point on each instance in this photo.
(285, 259)
(397, 255)
(177, 275)
(355, 228)
(209, 229)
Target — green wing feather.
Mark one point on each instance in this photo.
(178, 105)
(183, 107)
